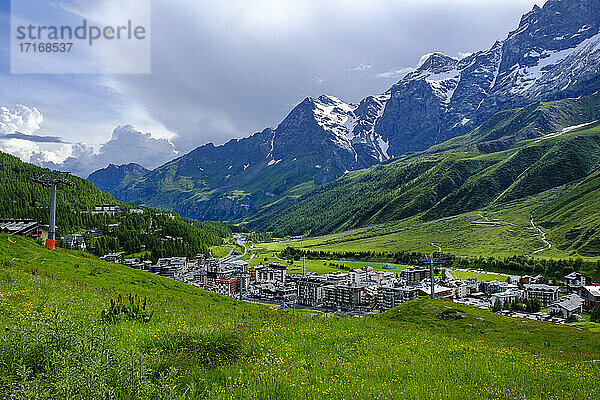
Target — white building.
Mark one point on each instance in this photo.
(509, 295)
(271, 273)
(109, 209)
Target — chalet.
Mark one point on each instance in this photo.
(590, 296)
(111, 257)
(337, 277)
(344, 297)
(528, 279)
(460, 289)
(440, 291)
(546, 294)
(279, 293)
(496, 286)
(567, 306)
(24, 227)
(227, 283)
(390, 296)
(94, 232)
(358, 275)
(575, 281)
(170, 267)
(107, 209)
(134, 263)
(76, 240)
(379, 276)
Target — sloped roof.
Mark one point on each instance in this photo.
(594, 290)
(569, 302)
(18, 227)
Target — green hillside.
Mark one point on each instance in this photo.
(462, 176)
(21, 198)
(132, 233)
(54, 343)
(568, 215)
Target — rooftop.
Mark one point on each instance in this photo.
(569, 302)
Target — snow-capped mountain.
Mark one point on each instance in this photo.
(554, 53)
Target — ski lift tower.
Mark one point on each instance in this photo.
(52, 183)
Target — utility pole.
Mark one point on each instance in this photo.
(52, 183)
(304, 266)
(241, 281)
(432, 277)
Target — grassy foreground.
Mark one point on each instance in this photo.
(53, 343)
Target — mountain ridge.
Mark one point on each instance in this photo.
(553, 54)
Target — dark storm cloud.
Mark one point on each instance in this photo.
(32, 138)
(224, 69)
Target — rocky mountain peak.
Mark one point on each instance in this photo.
(436, 63)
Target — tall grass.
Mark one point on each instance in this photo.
(54, 345)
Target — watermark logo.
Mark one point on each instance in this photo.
(80, 36)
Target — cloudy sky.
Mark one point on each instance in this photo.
(225, 69)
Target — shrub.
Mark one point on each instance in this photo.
(61, 357)
(131, 309)
(207, 348)
(595, 316)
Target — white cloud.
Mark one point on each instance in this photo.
(126, 145)
(22, 119)
(396, 73)
(362, 67)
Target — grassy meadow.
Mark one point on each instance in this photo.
(481, 277)
(54, 343)
(261, 256)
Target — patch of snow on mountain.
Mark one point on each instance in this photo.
(564, 130)
(383, 147)
(273, 162)
(584, 28)
(444, 84)
(526, 77)
(336, 116)
(518, 31)
(365, 133)
(270, 155)
(246, 166)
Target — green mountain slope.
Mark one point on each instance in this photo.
(573, 216)
(455, 177)
(132, 233)
(21, 198)
(54, 344)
